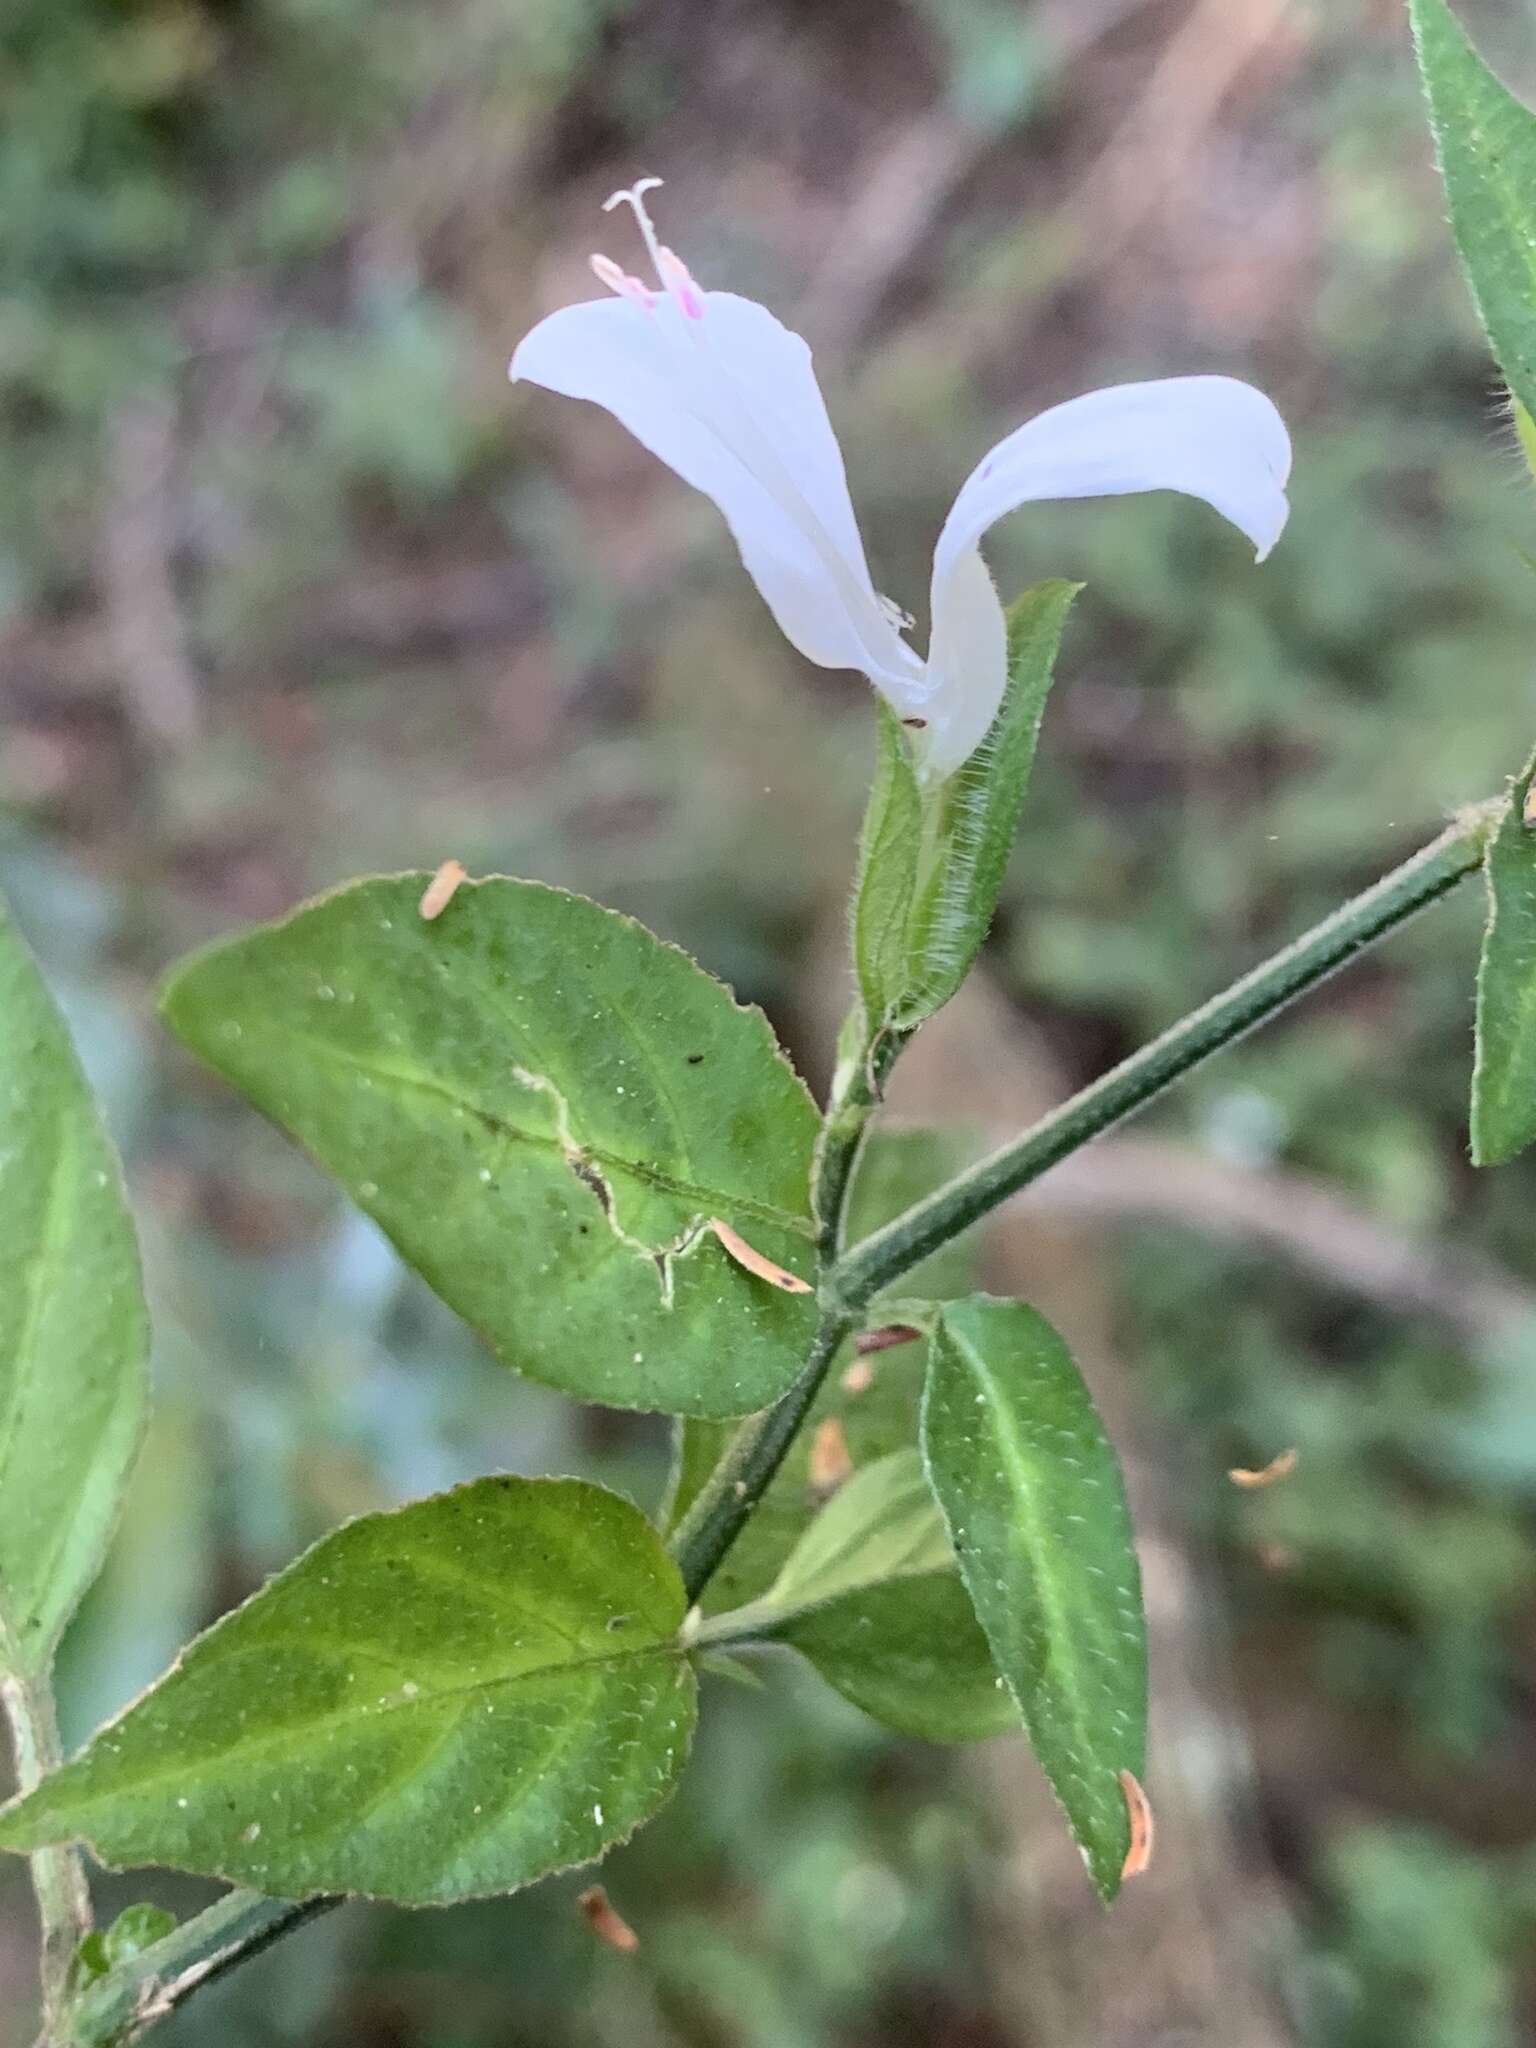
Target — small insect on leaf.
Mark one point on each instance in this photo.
(605, 1922)
(1278, 1468)
(754, 1261)
(1139, 1807)
(438, 893)
(830, 1464)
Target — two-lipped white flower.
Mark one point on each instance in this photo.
(726, 396)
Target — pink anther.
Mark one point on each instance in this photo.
(628, 287)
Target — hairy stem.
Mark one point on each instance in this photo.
(757, 1450)
(127, 2003)
(731, 1492)
(58, 1875)
(901, 1244)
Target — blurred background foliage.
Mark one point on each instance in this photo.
(291, 586)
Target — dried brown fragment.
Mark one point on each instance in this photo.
(755, 1263)
(438, 893)
(859, 1377)
(1528, 808)
(830, 1463)
(884, 1338)
(1277, 1468)
(1139, 1807)
(605, 1922)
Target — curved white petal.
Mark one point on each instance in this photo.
(730, 402)
(1209, 437)
(968, 661)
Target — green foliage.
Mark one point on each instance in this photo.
(870, 1596)
(73, 1329)
(1504, 1077)
(544, 1107)
(932, 861)
(1031, 1493)
(875, 1408)
(447, 1700)
(1486, 142)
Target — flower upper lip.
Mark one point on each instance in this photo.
(726, 396)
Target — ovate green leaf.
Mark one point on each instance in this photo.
(1032, 1496)
(73, 1328)
(870, 1596)
(447, 1700)
(543, 1106)
(1504, 1074)
(1486, 141)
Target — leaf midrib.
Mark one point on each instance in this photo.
(424, 1701)
(708, 1200)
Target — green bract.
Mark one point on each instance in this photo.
(931, 863)
(1031, 1492)
(73, 1328)
(543, 1106)
(448, 1700)
(1486, 141)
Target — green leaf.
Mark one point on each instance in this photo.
(1504, 1073)
(448, 1700)
(1486, 142)
(74, 1334)
(542, 1105)
(931, 861)
(910, 1654)
(886, 883)
(979, 813)
(1032, 1497)
(880, 1524)
(896, 1167)
(870, 1596)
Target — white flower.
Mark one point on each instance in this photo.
(726, 396)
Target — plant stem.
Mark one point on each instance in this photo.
(58, 1875)
(754, 1454)
(901, 1244)
(122, 2006)
(757, 1450)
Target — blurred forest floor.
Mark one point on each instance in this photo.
(292, 586)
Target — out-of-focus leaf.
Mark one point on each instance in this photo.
(1504, 1074)
(73, 1329)
(448, 1700)
(1032, 1496)
(543, 1106)
(1486, 142)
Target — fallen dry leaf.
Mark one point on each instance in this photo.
(438, 894)
(1277, 1468)
(1139, 1807)
(754, 1262)
(605, 1922)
